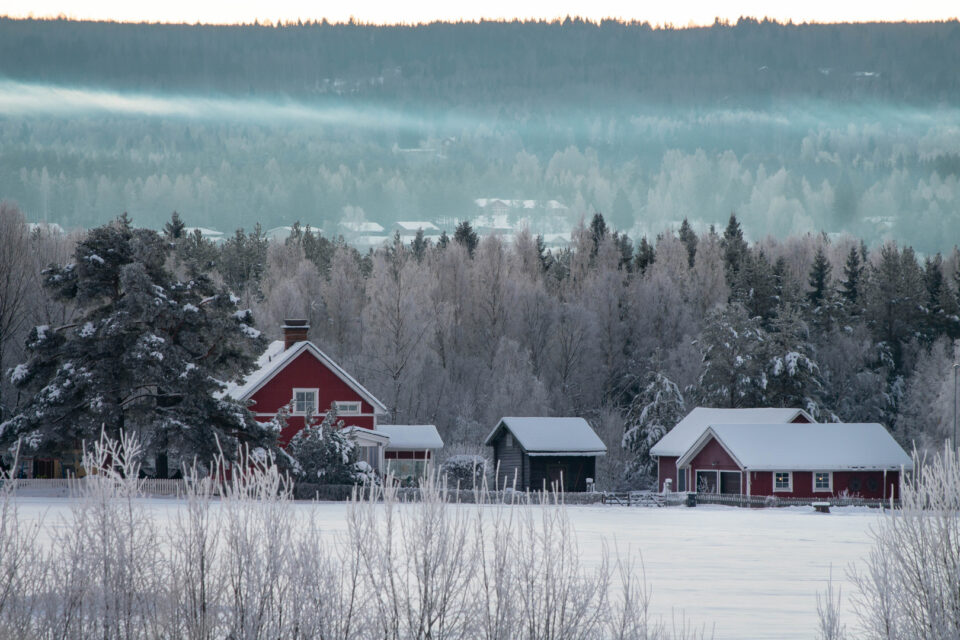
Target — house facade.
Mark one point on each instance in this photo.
(795, 461)
(296, 376)
(686, 432)
(539, 453)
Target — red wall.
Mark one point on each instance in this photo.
(761, 484)
(406, 455)
(667, 468)
(306, 371)
(713, 457)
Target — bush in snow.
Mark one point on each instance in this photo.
(323, 454)
(465, 471)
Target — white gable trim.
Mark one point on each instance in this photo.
(293, 352)
(701, 442)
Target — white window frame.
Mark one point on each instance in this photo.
(715, 472)
(829, 488)
(341, 411)
(788, 488)
(316, 401)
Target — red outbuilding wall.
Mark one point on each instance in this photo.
(667, 468)
(870, 484)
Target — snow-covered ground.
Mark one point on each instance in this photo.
(753, 573)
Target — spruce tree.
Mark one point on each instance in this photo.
(819, 279)
(466, 237)
(444, 240)
(323, 454)
(853, 274)
(755, 286)
(174, 229)
(598, 232)
(653, 412)
(933, 308)
(732, 363)
(792, 376)
(419, 245)
(146, 354)
(734, 249)
(689, 238)
(644, 257)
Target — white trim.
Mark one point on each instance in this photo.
(789, 488)
(829, 488)
(316, 401)
(341, 412)
(696, 482)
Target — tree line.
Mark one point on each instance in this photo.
(630, 335)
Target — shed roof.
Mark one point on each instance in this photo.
(552, 436)
(685, 433)
(411, 437)
(832, 446)
(276, 358)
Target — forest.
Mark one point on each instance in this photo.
(630, 335)
(848, 129)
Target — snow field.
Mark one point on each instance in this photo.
(748, 573)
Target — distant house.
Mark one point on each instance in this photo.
(678, 440)
(795, 460)
(295, 374)
(543, 452)
(410, 228)
(359, 228)
(212, 235)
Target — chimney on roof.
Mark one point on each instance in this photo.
(294, 331)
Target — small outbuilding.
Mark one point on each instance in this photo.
(795, 461)
(537, 453)
(411, 448)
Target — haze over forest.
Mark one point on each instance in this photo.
(796, 128)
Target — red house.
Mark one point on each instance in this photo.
(795, 461)
(294, 373)
(678, 440)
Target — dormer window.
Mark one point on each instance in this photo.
(305, 401)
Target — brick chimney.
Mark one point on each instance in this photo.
(294, 331)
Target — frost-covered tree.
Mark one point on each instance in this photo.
(656, 409)
(147, 354)
(323, 454)
(792, 375)
(732, 372)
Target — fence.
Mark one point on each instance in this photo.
(739, 500)
(63, 486)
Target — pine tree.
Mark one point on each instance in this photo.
(652, 413)
(819, 279)
(543, 255)
(324, 454)
(791, 374)
(173, 230)
(626, 251)
(933, 307)
(644, 257)
(146, 354)
(444, 240)
(853, 275)
(734, 249)
(598, 232)
(466, 237)
(755, 286)
(419, 245)
(732, 366)
(689, 238)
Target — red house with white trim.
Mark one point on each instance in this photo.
(795, 461)
(295, 374)
(678, 440)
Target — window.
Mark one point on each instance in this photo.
(347, 408)
(509, 443)
(304, 401)
(823, 481)
(783, 481)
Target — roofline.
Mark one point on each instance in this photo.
(305, 345)
(575, 453)
(700, 443)
(488, 442)
(673, 452)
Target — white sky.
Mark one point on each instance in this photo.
(676, 12)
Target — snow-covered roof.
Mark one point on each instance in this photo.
(414, 225)
(362, 227)
(552, 436)
(828, 446)
(276, 358)
(205, 232)
(411, 437)
(686, 432)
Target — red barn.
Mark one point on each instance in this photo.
(791, 461)
(682, 436)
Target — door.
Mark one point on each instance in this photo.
(706, 481)
(730, 482)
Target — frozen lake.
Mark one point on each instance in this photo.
(751, 573)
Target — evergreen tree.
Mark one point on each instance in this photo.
(734, 249)
(444, 240)
(419, 245)
(933, 307)
(543, 255)
(894, 297)
(732, 366)
(689, 238)
(598, 232)
(853, 274)
(755, 286)
(466, 237)
(324, 454)
(626, 251)
(652, 413)
(644, 257)
(174, 229)
(791, 375)
(146, 354)
(819, 279)
(197, 253)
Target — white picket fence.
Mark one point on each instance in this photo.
(62, 486)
